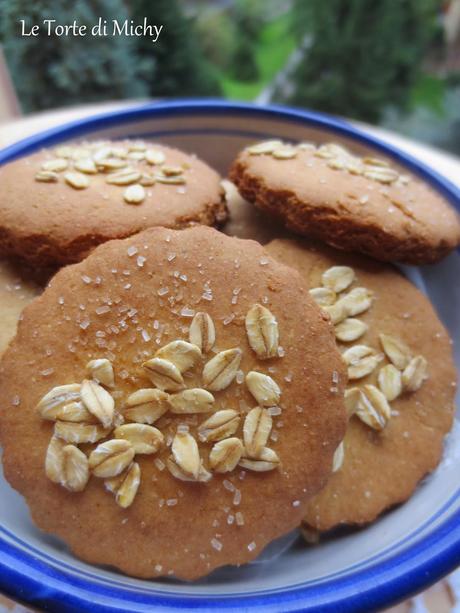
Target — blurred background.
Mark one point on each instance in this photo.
(393, 63)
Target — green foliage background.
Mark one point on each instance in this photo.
(50, 72)
(364, 54)
(359, 58)
(57, 71)
(181, 69)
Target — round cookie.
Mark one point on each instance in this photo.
(352, 203)
(381, 467)
(246, 221)
(56, 205)
(126, 301)
(17, 289)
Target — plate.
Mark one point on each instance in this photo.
(403, 552)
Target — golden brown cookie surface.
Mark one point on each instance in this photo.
(56, 205)
(17, 289)
(381, 467)
(126, 301)
(355, 204)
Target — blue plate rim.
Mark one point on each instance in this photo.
(381, 584)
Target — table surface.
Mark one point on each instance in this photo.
(444, 597)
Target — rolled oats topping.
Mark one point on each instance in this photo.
(56, 165)
(262, 331)
(352, 398)
(356, 353)
(98, 401)
(285, 152)
(147, 179)
(127, 176)
(256, 430)
(266, 460)
(220, 371)
(47, 176)
(182, 354)
(357, 301)
(78, 153)
(361, 361)
(77, 180)
(74, 469)
(390, 382)
(164, 374)
(267, 146)
(186, 454)
(381, 174)
(80, 432)
(143, 438)
(363, 367)
(323, 296)
(155, 157)
(350, 329)
(85, 413)
(372, 161)
(414, 374)
(338, 458)
(54, 458)
(221, 425)
(64, 151)
(202, 332)
(101, 370)
(329, 151)
(169, 180)
(66, 465)
(146, 406)
(102, 153)
(225, 455)
(109, 459)
(134, 194)
(138, 146)
(378, 400)
(396, 351)
(203, 475)
(120, 166)
(171, 171)
(264, 389)
(191, 401)
(53, 401)
(403, 373)
(337, 311)
(74, 412)
(369, 414)
(338, 278)
(125, 485)
(86, 166)
(109, 164)
(336, 157)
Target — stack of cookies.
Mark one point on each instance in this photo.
(189, 395)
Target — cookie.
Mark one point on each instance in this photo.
(245, 220)
(352, 203)
(401, 388)
(208, 385)
(57, 205)
(17, 289)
